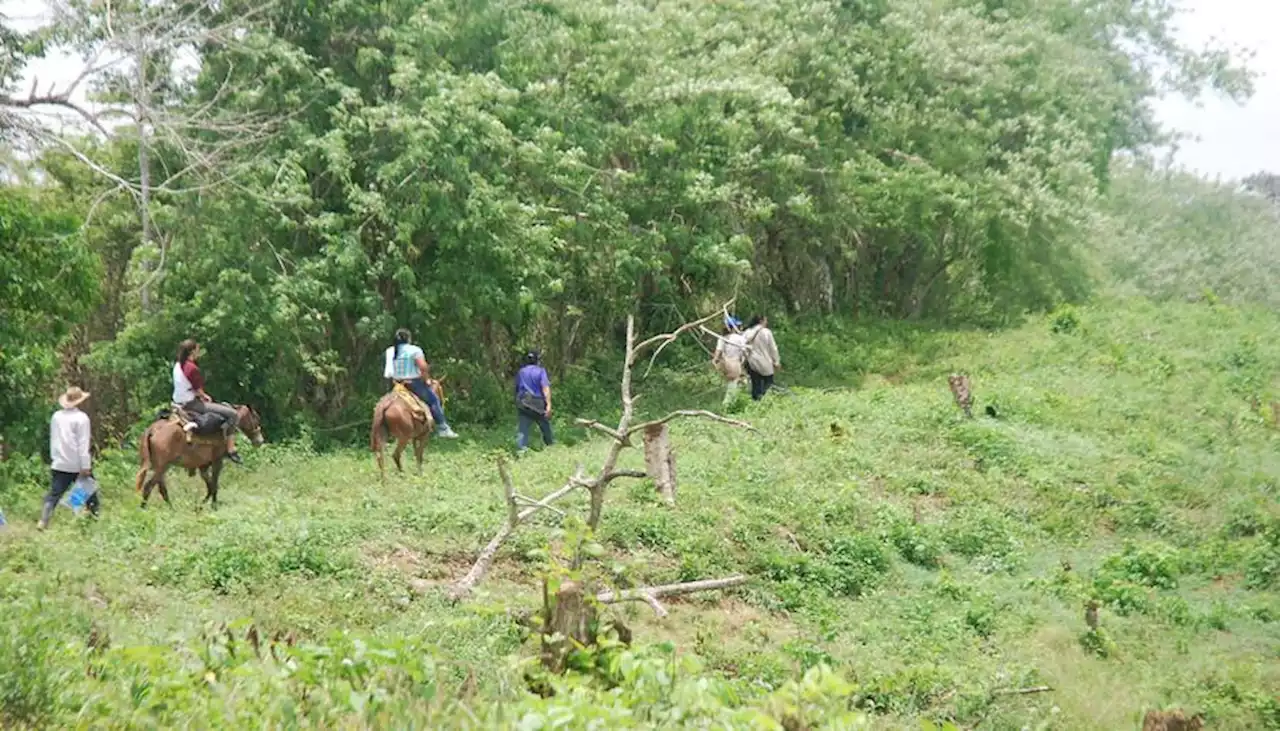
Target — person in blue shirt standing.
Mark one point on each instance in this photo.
(406, 363)
(533, 400)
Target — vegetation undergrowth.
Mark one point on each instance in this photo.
(908, 565)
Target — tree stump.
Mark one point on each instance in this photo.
(569, 622)
(660, 461)
(1171, 721)
(960, 389)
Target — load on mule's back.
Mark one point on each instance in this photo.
(197, 432)
(412, 409)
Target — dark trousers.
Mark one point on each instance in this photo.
(59, 483)
(424, 392)
(528, 419)
(759, 383)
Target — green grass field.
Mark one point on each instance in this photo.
(931, 561)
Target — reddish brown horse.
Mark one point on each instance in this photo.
(392, 417)
(164, 444)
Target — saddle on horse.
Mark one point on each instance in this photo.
(208, 426)
(416, 405)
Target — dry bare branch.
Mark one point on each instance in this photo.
(602, 428)
(1022, 691)
(701, 413)
(515, 517)
(647, 593)
(667, 338)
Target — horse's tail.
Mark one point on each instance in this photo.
(379, 428)
(144, 454)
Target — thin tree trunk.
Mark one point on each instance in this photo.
(144, 168)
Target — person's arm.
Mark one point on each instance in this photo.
(81, 433)
(772, 346)
(196, 379)
(546, 391)
(388, 367)
(717, 356)
(423, 366)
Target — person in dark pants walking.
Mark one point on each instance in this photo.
(533, 401)
(69, 436)
(762, 356)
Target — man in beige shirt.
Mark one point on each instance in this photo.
(762, 356)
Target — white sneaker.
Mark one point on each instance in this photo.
(447, 433)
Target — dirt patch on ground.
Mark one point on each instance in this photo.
(423, 569)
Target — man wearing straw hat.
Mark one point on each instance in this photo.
(68, 451)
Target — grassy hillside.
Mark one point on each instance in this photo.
(930, 561)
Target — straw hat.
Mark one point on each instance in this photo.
(73, 398)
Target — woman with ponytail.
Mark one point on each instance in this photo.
(407, 364)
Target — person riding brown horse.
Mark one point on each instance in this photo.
(405, 419)
(165, 443)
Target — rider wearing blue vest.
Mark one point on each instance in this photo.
(407, 364)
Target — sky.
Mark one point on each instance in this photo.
(1229, 141)
(1234, 140)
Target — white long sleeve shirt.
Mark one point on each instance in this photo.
(69, 441)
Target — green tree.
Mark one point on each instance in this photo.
(48, 284)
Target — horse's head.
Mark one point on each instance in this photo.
(251, 425)
(437, 387)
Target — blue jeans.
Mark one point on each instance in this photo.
(419, 387)
(527, 420)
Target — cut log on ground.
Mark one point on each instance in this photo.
(650, 594)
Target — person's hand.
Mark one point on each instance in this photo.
(86, 473)
(206, 398)
(548, 414)
(777, 366)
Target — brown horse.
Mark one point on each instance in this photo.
(164, 444)
(392, 417)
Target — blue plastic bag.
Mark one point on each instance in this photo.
(2, 523)
(79, 494)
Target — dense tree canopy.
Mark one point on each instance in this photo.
(48, 281)
(495, 173)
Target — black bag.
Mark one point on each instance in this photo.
(208, 423)
(534, 406)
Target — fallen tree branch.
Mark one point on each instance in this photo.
(1022, 691)
(515, 517)
(658, 609)
(530, 502)
(652, 593)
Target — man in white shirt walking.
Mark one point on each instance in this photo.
(731, 350)
(69, 458)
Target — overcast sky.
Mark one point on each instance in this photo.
(1232, 140)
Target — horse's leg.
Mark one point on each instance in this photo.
(378, 448)
(419, 446)
(401, 443)
(164, 492)
(208, 486)
(213, 485)
(146, 490)
(156, 480)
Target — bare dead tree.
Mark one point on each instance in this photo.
(520, 508)
(132, 86)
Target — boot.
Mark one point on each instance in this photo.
(45, 515)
